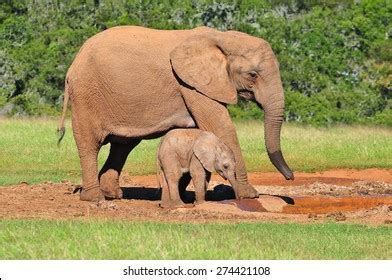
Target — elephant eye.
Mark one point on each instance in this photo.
(225, 166)
(252, 74)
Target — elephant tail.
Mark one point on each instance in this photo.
(61, 127)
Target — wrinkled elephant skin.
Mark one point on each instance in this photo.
(132, 83)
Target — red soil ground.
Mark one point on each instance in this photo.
(345, 196)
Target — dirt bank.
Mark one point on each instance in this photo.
(343, 196)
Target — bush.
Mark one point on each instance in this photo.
(334, 56)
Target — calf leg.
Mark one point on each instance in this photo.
(170, 189)
(199, 178)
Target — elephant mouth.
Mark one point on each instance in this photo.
(247, 94)
(222, 175)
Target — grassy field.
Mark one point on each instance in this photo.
(126, 240)
(28, 150)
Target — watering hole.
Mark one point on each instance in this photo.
(357, 199)
(310, 204)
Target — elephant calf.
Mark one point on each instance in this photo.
(197, 152)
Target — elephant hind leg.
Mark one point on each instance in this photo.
(110, 172)
(88, 149)
(182, 185)
(170, 189)
(90, 186)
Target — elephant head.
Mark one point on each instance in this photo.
(215, 155)
(222, 65)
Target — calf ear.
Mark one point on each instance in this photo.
(205, 151)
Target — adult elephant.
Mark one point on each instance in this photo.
(131, 83)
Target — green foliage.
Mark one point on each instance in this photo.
(335, 56)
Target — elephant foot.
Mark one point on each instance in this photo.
(93, 194)
(116, 194)
(174, 204)
(199, 201)
(246, 191)
(110, 186)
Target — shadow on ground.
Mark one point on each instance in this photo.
(219, 193)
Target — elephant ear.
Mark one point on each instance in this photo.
(201, 64)
(204, 149)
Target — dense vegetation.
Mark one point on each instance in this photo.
(335, 56)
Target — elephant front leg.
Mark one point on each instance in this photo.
(199, 178)
(213, 116)
(110, 172)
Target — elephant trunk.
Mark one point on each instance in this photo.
(272, 127)
(273, 118)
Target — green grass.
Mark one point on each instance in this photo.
(131, 240)
(28, 150)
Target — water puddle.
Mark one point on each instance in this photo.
(309, 204)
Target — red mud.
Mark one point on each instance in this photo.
(325, 205)
(340, 195)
